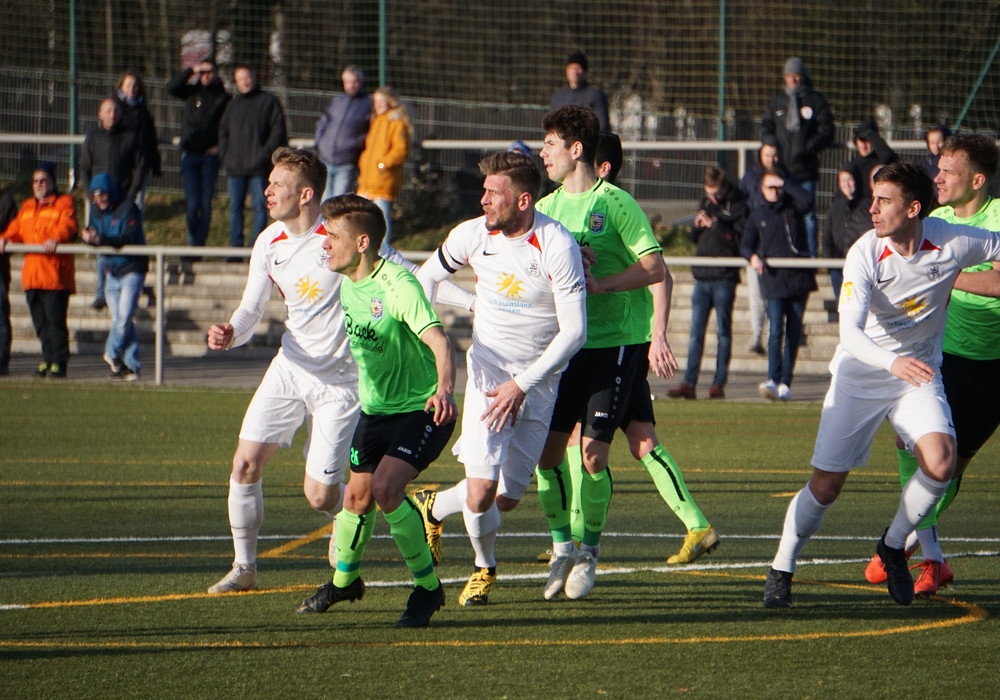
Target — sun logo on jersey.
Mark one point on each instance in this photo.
(913, 306)
(509, 286)
(308, 289)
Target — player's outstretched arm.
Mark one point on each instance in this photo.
(647, 270)
(985, 283)
(443, 401)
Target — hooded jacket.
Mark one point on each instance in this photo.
(778, 230)
(846, 219)
(118, 225)
(252, 128)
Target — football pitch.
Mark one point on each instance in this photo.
(113, 522)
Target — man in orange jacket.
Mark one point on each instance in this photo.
(47, 218)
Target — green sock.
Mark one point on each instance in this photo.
(353, 534)
(407, 530)
(595, 499)
(554, 494)
(670, 483)
(574, 458)
(946, 499)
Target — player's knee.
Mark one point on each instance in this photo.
(506, 505)
(246, 470)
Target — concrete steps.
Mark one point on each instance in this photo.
(204, 293)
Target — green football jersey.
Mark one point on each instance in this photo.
(973, 328)
(607, 219)
(385, 314)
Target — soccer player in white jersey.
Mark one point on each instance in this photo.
(970, 366)
(893, 307)
(530, 319)
(312, 378)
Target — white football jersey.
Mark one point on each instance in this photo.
(520, 285)
(315, 339)
(904, 301)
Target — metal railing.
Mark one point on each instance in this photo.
(158, 257)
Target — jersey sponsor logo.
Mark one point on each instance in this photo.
(377, 309)
(308, 290)
(363, 337)
(510, 286)
(595, 222)
(913, 306)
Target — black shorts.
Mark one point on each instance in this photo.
(596, 390)
(411, 437)
(973, 390)
(640, 408)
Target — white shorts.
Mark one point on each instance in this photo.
(509, 456)
(852, 414)
(287, 397)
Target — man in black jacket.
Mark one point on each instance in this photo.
(252, 128)
(205, 99)
(800, 123)
(717, 232)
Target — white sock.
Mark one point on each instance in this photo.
(802, 520)
(482, 529)
(911, 540)
(450, 501)
(565, 548)
(594, 549)
(919, 496)
(930, 547)
(246, 513)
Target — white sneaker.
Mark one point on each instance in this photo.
(784, 393)
(769, 390)
(559, 569)
(581, 578)
(243, 577)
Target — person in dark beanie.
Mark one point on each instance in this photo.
(799, 121)
(579, 92)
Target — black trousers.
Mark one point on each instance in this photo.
(48, 314)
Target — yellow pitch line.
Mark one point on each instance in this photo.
(283, 549)
(973, 614)
(136, 555)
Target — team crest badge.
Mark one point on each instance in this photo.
(934, 272)
(377, 309)
(596, 222)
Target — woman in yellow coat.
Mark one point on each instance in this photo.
(380, 175)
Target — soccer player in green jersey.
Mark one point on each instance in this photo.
(596, 388)
(970, 367)
(639, 423)
(406, 369)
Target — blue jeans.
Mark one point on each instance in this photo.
(101, 269)
(836, 281)
(386, 206)
(784, 316)
(123, 299)
(238, 188)
(812, 227)
(705, 296)
(199, 173)
(340, 179)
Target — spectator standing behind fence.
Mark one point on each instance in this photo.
(47, 218)
(341, 132)
(205, 100)
(579, 92)
(111, 148)
(777, 229)
(116, 221)
(8, 210)
(717, 232)
(135, 117)
(872, 150)
(252, 128)
(380, 176)
(800, 122)
(846, 219)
